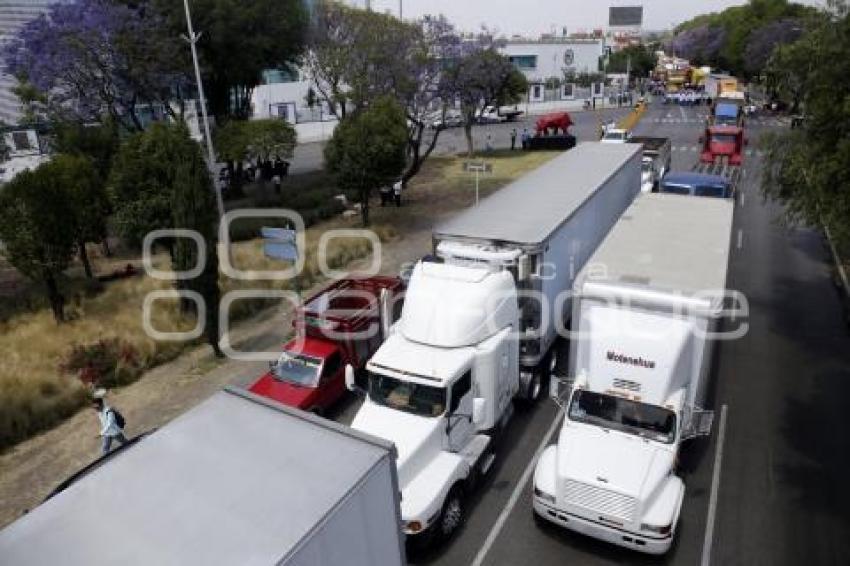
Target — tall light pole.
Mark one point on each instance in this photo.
(193, 39)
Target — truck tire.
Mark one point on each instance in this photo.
(452, 514)
(540, 379)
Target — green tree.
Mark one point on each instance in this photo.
(98, 143)
(725, 39)
(89, 202)
(270, 138)
(808, 169)
(160, 181)
(368, 150)
(640, 59)
(240, 140)
(240, 40)
(482, 77)
(37, 232)
(195, 208)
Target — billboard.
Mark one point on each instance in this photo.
(625, 16)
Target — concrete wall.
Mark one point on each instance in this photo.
(553, 58)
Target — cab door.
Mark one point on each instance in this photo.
(459, 423)
(332, 381)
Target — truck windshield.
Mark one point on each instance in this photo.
(646, 166)
(723, 138)
(632, 417)
(675, 189)
(298, 369)
(413, 398)
(710, 191)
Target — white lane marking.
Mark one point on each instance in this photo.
(682, 110)
(743, 196)
(694, 148)
(715, 486)
(740, 238)
(512, 500)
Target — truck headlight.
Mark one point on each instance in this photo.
(544, 496)
(413, 527)
(662, 530)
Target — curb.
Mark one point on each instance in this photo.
(842, 273)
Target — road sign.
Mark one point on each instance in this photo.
(477, 167)
(279, 243)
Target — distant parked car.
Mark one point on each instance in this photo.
(453, 119)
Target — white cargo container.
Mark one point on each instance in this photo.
(441, 386)
(645, 310)
(236, 480)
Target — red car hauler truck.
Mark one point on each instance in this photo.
(338, 326)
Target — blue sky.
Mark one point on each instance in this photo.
(540, 16)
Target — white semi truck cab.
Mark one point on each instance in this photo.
(442, 385)
(645, 312)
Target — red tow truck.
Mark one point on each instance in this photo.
(340, 325)
(723, 143)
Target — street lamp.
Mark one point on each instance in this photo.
(193, 39)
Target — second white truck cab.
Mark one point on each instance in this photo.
(646, 308)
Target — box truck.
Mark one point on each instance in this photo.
(236, 480)
(646, 308)
(477, 326)
(657, 155)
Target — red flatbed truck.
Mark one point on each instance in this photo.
(337, 326)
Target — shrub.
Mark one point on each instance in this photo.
(109, 362)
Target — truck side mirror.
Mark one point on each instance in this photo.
(479, 408)
(701, 139)
(350, 383)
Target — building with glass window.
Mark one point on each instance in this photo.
(554, 60)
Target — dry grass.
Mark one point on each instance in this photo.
(35, 394)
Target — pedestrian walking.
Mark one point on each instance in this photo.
(513, 139)
(488, 146)
(397, 193)
(525, 138)
(111, 422)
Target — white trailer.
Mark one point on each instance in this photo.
(236, 480)
(542, 229)
(478, 327)
(646, 308)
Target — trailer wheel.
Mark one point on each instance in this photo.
(452, 514)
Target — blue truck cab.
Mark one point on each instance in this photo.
(696, 184)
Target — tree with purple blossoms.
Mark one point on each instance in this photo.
(88, 58)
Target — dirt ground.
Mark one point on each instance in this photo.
(31, 469)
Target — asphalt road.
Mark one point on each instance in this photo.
(308, 157)
(782, 497)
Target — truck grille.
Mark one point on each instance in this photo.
(626, 384)
(600, 500)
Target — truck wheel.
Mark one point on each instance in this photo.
(535, 387)
(452, 514)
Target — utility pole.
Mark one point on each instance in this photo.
(400, 9)
(368, 5)
(193, 39)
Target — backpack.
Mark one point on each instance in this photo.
(119, 418)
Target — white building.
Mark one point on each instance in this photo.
(554, 58)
